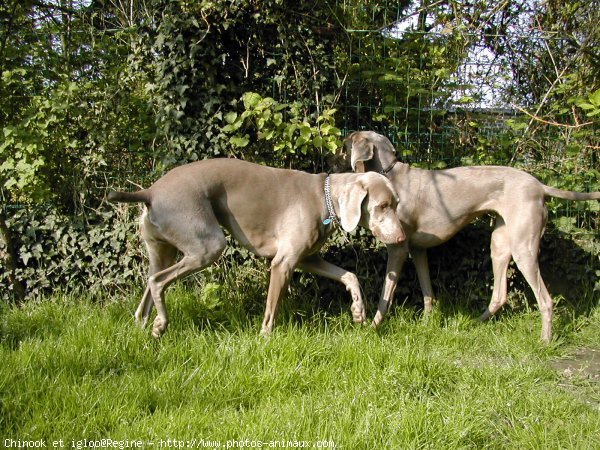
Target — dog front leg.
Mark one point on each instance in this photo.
(396, 256)
(419, 256)
(281, 273)
(318, 266)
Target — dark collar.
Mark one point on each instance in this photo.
(389, 168)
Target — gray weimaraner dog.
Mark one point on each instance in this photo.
(435, 204)
(284, 215)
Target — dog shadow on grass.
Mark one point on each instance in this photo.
(232, 295)
(462, 277)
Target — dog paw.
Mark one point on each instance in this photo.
(359, 314)
(377, 319)
(485, 316)
(428, 306)
(159, 328)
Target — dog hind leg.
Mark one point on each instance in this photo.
(501, 255)
(525, 238)
(161, 256)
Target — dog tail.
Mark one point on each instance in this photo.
(570, 195)
(142, 196)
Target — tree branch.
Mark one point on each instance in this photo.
(549, 122)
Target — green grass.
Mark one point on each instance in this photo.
(76, 368)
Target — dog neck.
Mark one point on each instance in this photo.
(388, 168)
(332, 218)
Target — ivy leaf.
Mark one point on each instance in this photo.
(240, 141)
(25, 257)
(332, 146)
(251, 99)
(230, 117)
(305, 132)
(181, 88)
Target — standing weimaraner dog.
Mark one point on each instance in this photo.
(285, 215)
(435, 204)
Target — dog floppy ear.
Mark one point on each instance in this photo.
(360, 149)
(350, 201)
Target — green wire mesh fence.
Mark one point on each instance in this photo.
(446, 96)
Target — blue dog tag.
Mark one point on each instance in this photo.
(327, 221)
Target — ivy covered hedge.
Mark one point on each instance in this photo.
(59, 252)
(98, 97)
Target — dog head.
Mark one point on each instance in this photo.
(370, 201)
(364, 151)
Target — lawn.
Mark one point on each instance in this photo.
(79, 369)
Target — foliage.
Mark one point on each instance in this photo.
(283, 128)
(56, 252)
(590, 103)
(394, 75)
(420, 80)
(110, 94)
(552, 59)
(200, 58)
(74, 109)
